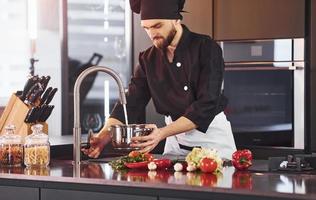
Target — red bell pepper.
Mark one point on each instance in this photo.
(137, 165)
(163, 163)
(242, 159)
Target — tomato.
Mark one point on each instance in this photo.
(208, 165)
(149, 157)
(134, 154)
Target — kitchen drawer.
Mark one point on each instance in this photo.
(53, 194)
(18, 193)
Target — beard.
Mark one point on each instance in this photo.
(162, 43)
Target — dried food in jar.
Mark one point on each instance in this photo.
(36, 155)
(36, 148)
(11, 154)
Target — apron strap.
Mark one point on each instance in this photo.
(187, 147)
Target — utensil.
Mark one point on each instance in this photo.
(28, 85)
(51, 96)
(29, 115)
(44, 81)
(122, 134)
(47, 113)
(45, 95)
(33, 93)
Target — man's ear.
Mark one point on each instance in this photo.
(177, 22)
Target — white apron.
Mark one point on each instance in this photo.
(219, 136)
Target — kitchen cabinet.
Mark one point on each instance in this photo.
(199, 16)
(13, 193)
(52, 194)
(258, 19)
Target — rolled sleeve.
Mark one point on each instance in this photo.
(208, 95)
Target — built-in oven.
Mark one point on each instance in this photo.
(264, 82)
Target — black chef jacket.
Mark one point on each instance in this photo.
(190, 86)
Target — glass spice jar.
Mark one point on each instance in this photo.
(37, 148)
(11, 148)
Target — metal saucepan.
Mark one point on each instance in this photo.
(121, 135)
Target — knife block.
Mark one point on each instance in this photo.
(15, 113)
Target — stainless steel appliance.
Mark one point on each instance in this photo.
(264, 82)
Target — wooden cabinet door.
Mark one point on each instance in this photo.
(258, 19)
(199, 16)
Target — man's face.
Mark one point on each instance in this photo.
(161, 32)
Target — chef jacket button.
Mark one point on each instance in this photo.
(178, 64)
(185, 88)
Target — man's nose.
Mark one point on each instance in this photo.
(152, 34)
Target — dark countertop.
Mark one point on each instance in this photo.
(99, 177)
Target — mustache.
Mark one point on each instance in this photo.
(157, 37)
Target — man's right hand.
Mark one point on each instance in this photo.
(98, 141)
(97, 144)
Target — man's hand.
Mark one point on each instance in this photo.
(149, 142)
(97, 143)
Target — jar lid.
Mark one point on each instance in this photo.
(9, 137)
(37, 136)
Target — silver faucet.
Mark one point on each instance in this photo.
(77, 127)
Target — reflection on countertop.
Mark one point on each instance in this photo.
(237, 181)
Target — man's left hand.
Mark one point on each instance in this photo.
(149, 142)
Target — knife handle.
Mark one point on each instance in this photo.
(28, 85)
(48, 112)
(44, 82)
(28, 117)
(33, 94)
(51, 96)
(45, 95)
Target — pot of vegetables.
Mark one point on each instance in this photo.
(122, 134)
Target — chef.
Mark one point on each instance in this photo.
(182, 73)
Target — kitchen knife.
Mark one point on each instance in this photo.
(44, 81)
(45, 95)
(48, 112)
(51, 96)
(29, 115)
(28, 85)
(42, 112)
(37, 114)
(33, 94)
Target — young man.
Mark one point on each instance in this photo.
(183, 73)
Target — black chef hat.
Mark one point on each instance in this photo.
(158, 9)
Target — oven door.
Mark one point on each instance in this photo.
(264, 82)
(266, 104)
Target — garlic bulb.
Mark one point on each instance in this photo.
(178, 167)
(191, 168)
(152, 166)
